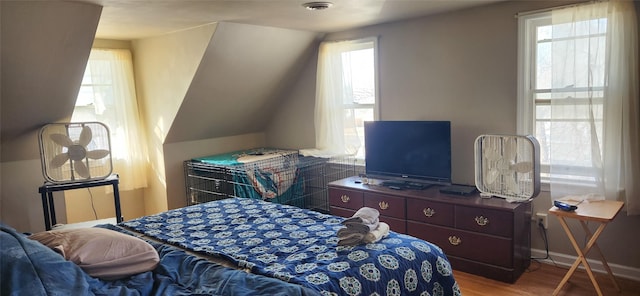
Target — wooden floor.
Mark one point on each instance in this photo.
(542, 279)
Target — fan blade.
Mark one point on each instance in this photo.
(509, 149)
(97, 154)
(62, 140)
(490, 149)
(492, 176)
(81, 169)
(522, 167)
(59, 160)
(85, 136)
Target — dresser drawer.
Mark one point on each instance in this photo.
(464, 244)
(397, 225)
(484, 220)
(389, 206)
(346, 198)
(342, 212)
(431, 212)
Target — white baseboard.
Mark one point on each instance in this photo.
(565, 260)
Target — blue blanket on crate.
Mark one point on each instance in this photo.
(263, 173)
(300, 246)
(30, 268)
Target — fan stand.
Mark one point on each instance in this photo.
(46, 192)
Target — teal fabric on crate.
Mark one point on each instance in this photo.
(225, 159)
(231, 158)
(263, 173)
(292, 196)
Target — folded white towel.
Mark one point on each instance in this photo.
(365, 215)
(377, 234)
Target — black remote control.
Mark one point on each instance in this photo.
(564, 206)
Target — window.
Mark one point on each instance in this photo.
(576, 49)
(107, 95)
(360, 101)
(578, 94)
(346, 95)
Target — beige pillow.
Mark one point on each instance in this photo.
(102, 253)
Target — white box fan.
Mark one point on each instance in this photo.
(507, 166)
(75, 152)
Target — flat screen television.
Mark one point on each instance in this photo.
(409, 151)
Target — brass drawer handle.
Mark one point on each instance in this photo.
(429, 212)
(454, 240)
(482, 220)
(345, 198)
(383, 205)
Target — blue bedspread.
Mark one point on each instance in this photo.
(29, 268)
(300, 246)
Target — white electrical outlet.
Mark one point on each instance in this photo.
(542, 218)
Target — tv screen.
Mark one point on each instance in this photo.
(417, 151)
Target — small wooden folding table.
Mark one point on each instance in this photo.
(603, 212)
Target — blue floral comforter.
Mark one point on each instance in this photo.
(30, 268)
(300, 246)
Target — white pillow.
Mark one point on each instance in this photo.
(102, 253)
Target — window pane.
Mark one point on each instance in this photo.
(543, 33)
(359, 74)
(85, 96)
(571, 142)
(580, 28)
(578, 62)
(543, 65)
(359, 91)
(543, 135)
(360, 115)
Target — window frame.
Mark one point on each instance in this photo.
(527, 102)
(360, 44)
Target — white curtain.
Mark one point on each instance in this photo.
(333, 87)
(115, 104)
(595, 150)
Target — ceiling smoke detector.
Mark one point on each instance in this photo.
(317, 5)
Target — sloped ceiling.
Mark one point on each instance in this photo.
(135, 19)
(45, 47)
(239, 80)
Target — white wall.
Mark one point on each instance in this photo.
(21, 205)
(165, 66)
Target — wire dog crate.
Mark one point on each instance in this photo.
(276, 175)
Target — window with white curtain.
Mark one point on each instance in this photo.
(346, 96)
(580, 99)
(578, 85)
(107, 95)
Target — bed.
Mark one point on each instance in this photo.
(27, 267)
(246, 246)
(299, 246)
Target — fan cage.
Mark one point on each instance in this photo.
(98, 169)
(492, 155)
